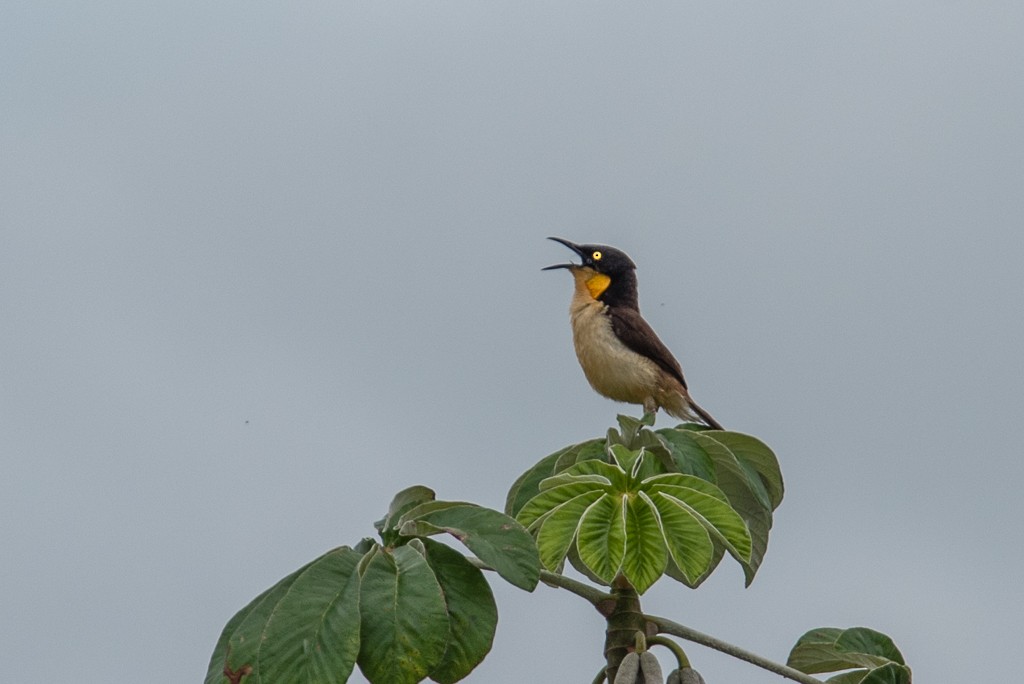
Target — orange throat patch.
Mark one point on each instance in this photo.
(591, 281)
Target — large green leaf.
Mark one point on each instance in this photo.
(828, 649)
(646, 555)
(525, 487)
(687, 453)
(573, 556)
(710, 506)
(558, 528)
(313, 634)
(758, 461)
(240, 641)
(749, 498)
(472, 612)
(601, 539)
(549, 499)
(495, 538)
(405, 626)
(670, 481)
(686, 539)
(719, 517)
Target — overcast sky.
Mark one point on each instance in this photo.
(263, 266)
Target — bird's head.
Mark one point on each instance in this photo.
(601, 268)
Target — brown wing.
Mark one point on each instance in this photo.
(636, 334)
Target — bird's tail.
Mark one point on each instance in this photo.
(680, 405)
(705, 416)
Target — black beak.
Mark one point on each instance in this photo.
(571, 245)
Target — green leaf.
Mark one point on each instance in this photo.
(646, 467)
(742, 493)
(673, 571)
(472, 613)
(313, 634)
(404, 626)
(849, 677)
(630, 429)
(646, 555)
(617, 478)
(496, 539)
(422, 509)
(591, 450)
(403, 501)
(525, 487)
(828, 649)
(601, 539)
(758, 462)
(240, 641)
(574, 559)
(869, 641)
(888, 674)
(558, 529)
(687, 453)
(567, 479)
(670, 481)
(625, 457)
(687, 540)
(549, 499)
(717, 515)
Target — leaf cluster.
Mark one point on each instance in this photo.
(642, 503)
(635, 504)
(404, 609)
(867, 656)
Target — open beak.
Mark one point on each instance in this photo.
(571, 245)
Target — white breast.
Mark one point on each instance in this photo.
(612, 368)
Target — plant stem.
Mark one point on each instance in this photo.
(666, 626)
(677, 650)
(625, 621)
(553, 579)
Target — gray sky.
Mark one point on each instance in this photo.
(262, 267)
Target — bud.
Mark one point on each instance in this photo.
(629, 670)
(685, 675)
(651, 668)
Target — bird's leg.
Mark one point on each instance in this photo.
(650, 409)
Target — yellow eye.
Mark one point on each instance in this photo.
(597, 256)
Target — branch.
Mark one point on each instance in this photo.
(666, 626)
(553, 579)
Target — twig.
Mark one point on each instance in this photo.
(666, 626)
(677, 650)
(553, 579)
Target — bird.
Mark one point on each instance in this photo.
(621, 355)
